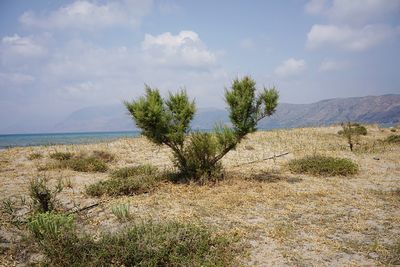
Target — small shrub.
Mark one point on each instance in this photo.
(35, 155)
(103, 155)
(121, 211)
(145, 244)
(352, 131)
(42, 196)
(393, 130)
(48, 225)
(393, 139)
(131, 185)
(136, 170)
(61, 155)
(324, 166)
(87, 164)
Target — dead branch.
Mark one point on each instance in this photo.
(255, 161)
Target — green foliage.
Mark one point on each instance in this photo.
(133, 171)
(356, 128)
(167, 122)
(43, 198)
(35, 155)
(121, 211)
(144, 244)
(49, 225)
(127, 181)
(393, 139)
(132, 185)
(96, 162)
(324, 166)
(61, 155)
(87, 164)
(352, 131)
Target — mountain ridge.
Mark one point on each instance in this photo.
(384, 109)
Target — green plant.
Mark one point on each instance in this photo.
(135, 170)
(35, 155)
(121, 211)
(42, 196)
(324, 166)
(45, 226)
(166, 121)
(352, 131)
(131, 185)
(394, 139)
(87, 164)
(61, 155)
(144, 244)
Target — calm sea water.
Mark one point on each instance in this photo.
(13, 140)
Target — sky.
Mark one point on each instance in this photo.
(59, 56)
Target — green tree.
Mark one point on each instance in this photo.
(197, 155)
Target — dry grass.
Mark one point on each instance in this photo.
(286, 219)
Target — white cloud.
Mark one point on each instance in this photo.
(14, 78)
(355, 25)
(183, 49)
(348, 38)
(290, 67)
(21, 46)
(90, 15)
(315, 6)
(333, 65)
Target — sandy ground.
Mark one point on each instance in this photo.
(282, 218)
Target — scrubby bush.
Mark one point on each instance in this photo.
(324, 166)
(103, 156)
(144, 244)
(197, 155)
(61, 155)
(352, 131)
(87, 164)
(43, 198)
(35, 155)
(135, 170)
(394, 139)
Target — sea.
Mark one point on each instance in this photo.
(40, 139)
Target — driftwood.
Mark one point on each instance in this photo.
(259, 160)
(85, 208)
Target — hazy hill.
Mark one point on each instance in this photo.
(370, 109)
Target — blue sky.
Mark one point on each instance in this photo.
(60, 56)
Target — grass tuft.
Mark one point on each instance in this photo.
(144, 244)
(323, 166)
(393, 139)
(133, 171)
(132, 185)
(61, 155)
(103, 156)
(87, 164)
(35, 155)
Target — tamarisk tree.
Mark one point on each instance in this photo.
(197, 155)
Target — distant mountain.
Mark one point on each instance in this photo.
(370, 109)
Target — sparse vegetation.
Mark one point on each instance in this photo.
(167, 122)
(127, 181)
(87, 164)
(35, 155)
(352, 132)
(393, 139)
(61, 155)
(131, 185)
(43, 198)
(324, 166)
(103, 156)
(81, 163)
(121, 211)
(144, 244)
